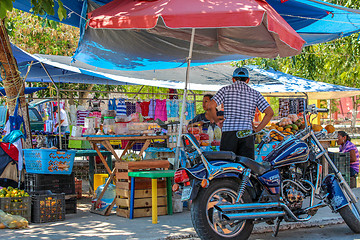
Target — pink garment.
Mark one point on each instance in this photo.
(137, 107)
(160, 110)
(95, 114)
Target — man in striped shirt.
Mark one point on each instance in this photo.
(240, 103)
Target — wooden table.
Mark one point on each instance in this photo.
(105, 141)
(91, 154)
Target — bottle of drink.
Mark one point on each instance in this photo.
(169, 133)
(175, 134)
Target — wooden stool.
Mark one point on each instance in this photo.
(154, 175)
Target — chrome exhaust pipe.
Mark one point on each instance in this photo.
(247, 206)
(252, 215)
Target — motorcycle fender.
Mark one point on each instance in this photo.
(335, 195)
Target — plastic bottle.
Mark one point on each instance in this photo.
(108, 196)
(175, 133)
(169, 133)
(210, 132)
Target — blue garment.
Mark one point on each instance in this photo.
(190, 109)
(121, 107)
(112, 104)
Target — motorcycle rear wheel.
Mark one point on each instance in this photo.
(204, 215)
(351, 216)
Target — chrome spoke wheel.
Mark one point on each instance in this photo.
(222, 227)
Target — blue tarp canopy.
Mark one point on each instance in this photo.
(315, 21)
(61, 74)
(206, 78)
(28, 90)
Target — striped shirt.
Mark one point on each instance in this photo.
(240, 103)
(347, 147)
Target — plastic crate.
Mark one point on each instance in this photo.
(71, 205)
(49, 161)
(342, 162)
(54, 182)
(17, 206)
(47, 207)
(78, 188)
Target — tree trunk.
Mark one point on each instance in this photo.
(13, 84)
(354, 112)
(85, 94)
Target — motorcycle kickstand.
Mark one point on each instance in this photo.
(277, 226)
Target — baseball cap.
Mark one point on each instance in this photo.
(241, 72)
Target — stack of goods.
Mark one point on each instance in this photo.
(292, 123)
(57, 184)
(206, 137)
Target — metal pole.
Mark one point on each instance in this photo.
(177, 160)
(58, 102)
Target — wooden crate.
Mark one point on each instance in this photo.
(143, 191)
(140, 212)
(123, 180)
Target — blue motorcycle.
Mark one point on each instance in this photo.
(231, 193)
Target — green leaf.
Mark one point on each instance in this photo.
(61, 11)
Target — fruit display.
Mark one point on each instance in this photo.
(131, 157)
(287, 126)
(13, 193)
(15, 201)
(292, 123)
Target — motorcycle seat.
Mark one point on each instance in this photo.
(256, 168)
(220, 155)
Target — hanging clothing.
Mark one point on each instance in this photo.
(112, 104)
(137, 107)
(160, 110)
(145, 108)
(81, 115)
(152, 107)
(130, 108)
(190, 109)
(284, 107)
(121, 107)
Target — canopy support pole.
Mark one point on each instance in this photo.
(58, 103)
(177, 153)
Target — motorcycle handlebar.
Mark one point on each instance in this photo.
(323, 110)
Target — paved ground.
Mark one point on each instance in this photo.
(86, 225)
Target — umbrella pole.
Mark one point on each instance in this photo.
(58, 101)
(177, 153)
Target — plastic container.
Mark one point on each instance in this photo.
(108, 196)
(53, 182)
(49, 161)
(17, 206)
(47, 207)
(100, 179)
(121, 128)
(71, 205)
(109, 125)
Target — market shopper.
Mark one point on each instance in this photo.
(64, 123)
(240, 103)
(204, 117)
(345, 145)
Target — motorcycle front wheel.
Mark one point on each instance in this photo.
(351, 216)
(205, 218)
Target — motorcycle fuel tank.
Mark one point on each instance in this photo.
(289, 151)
